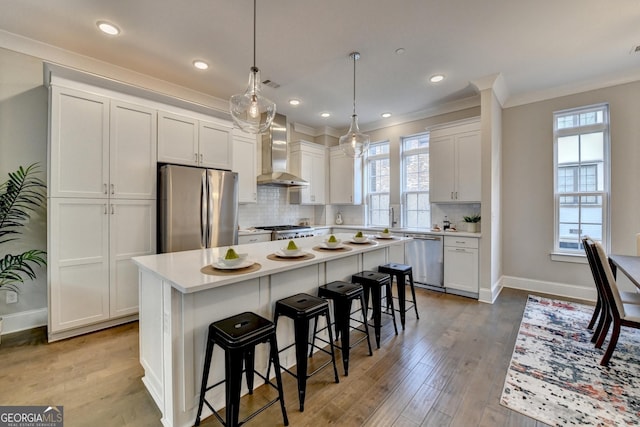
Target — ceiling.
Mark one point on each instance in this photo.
(541, 48)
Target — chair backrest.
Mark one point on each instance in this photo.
(609, 282)
(587, 244)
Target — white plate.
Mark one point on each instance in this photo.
(380, 236)
(324, 245)
(283, 255)
(363, 242)
(244, 264)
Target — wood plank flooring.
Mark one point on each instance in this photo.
(446, 369)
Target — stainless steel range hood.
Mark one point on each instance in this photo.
(274, 157)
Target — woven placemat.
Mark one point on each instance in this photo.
(211, 270)
(321, 249)
(275, 257)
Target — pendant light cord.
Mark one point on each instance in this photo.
(354, 55)
(254, 33)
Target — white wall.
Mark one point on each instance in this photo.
(23, 140)
(527, 214)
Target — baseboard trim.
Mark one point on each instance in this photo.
(24, 320)
(553, 288)
(489, 296)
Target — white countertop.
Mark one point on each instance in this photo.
(182, 269)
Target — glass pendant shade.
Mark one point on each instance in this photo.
(252, 112)
(354, 143)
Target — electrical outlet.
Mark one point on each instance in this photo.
(12, 297)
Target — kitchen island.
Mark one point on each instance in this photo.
(180, 295)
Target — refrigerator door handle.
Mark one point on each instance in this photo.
(204, 211)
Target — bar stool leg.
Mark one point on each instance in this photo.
(333, 353)
(301, 332)
(343, 308)
(402, 302)
(273, 350)
(413, 294)
(249, 367)
(363, 307)
(377, 312)
(233, 385)
(393, 312)
(205, 377)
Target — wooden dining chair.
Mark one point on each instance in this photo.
(620, 314)
(601, 311)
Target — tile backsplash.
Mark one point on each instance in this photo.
(273, 208)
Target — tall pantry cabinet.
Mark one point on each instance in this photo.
(101, 202)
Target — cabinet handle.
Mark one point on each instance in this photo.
(113, 189)
(201, 157)
(456, 195)
(452, 195)
(105, 208)
(196, 157)
(105, 188)
(255, 196)
(113, 210)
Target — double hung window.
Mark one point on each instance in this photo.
(415, 181)
(378, 183)
(581, 157)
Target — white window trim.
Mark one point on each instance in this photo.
(558, 254)
(403, 156)
(368, 193)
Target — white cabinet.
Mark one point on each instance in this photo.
(345, 178)
(101, 205)
(254, 238)
(461, 273)
(100, 147)
(245, 164)
(91, 276)
(454, 163)
(308, 161)
(189, 141)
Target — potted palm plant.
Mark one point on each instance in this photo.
(20, 195)
(472, 222)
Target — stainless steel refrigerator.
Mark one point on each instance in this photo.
(198, 208)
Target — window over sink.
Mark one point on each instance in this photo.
(378, 184)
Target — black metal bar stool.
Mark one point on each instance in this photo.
(302, 309)
(343, 294)
(401, 272)
(238, 336)
(373, 282)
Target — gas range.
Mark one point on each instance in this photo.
(284, 232)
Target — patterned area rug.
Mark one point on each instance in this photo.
(555, 374)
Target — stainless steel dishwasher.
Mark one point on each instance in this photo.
(426, 255)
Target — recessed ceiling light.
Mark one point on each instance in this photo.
(400, 51)
(200, 64)
(108, 28)
(294, 102)
(436, 78)
(385, 115)
(325, 115)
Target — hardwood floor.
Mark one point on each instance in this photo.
(446, 369)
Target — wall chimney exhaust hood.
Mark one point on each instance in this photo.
(274, 157)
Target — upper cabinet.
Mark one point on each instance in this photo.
(345, 178)
(189, 141)
(100, 147)
(308, 161)
(245, 164)
(454, 162)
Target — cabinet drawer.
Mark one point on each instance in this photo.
(461, 242)
(254, 238)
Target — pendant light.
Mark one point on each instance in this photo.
(354, 143)
(251, 111)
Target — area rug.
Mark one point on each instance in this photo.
(555, 374)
